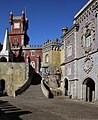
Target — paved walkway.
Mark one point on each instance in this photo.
(32, 105)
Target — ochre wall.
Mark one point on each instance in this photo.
(14, 75)
(54, 58)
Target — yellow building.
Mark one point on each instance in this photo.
(51, 54)
(52, 60)
(53, 65)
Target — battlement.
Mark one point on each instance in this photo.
(33, 46)
(52, 45)
(55, 41)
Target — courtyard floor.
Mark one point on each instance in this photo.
(34, 106)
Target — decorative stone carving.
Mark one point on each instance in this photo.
(88, 36)
(88, 64)
(95, 6)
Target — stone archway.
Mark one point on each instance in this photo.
(88, 90)
(66, 86)
(2, 87)
(3, 59)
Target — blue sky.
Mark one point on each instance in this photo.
(46, 17)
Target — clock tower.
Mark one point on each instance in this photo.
(18, 30)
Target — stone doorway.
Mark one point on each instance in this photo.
(3, 59)
(2, 87)
(66, 87)
(89, 90)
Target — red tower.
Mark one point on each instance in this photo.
(19, 39)
(18, 30)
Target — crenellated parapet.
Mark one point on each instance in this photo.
(52, 45)
(22, 18)
(32, 47)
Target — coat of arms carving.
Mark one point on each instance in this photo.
(88, 64)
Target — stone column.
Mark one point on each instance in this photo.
(88, 94)
(63, 88)
(84, 92)
(93, 96)
(69, 88)
(38, 63)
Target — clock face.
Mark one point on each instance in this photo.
(16, 25)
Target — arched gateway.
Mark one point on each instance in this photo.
(2, 87)
(66, 87)
(88, 90)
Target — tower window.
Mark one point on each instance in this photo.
(33, 52)
(15, 40)
(23, 53)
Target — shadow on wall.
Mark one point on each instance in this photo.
(28, 83)
(36, 79)
(10, 112)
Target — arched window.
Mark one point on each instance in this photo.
(88, 38)
(32, 64)
(88, 42)
(47, 58)
(3, 59)
(32, 52)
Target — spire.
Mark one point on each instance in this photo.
(6, 45)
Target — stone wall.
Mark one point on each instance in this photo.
(14, 75)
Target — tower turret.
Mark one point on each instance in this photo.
(18, 30)
(5, 53)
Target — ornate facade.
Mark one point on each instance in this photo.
(51, 65)
(81, 54)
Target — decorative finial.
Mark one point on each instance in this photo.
(11, 12)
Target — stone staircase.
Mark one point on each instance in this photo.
(33, 91)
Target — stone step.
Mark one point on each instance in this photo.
(62, 97)
(33, 91)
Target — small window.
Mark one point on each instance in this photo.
(33, 52)
(69, 50)
(23, 53)
(47, 58)
(15, 40)
(88, 41)
(69, 69)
